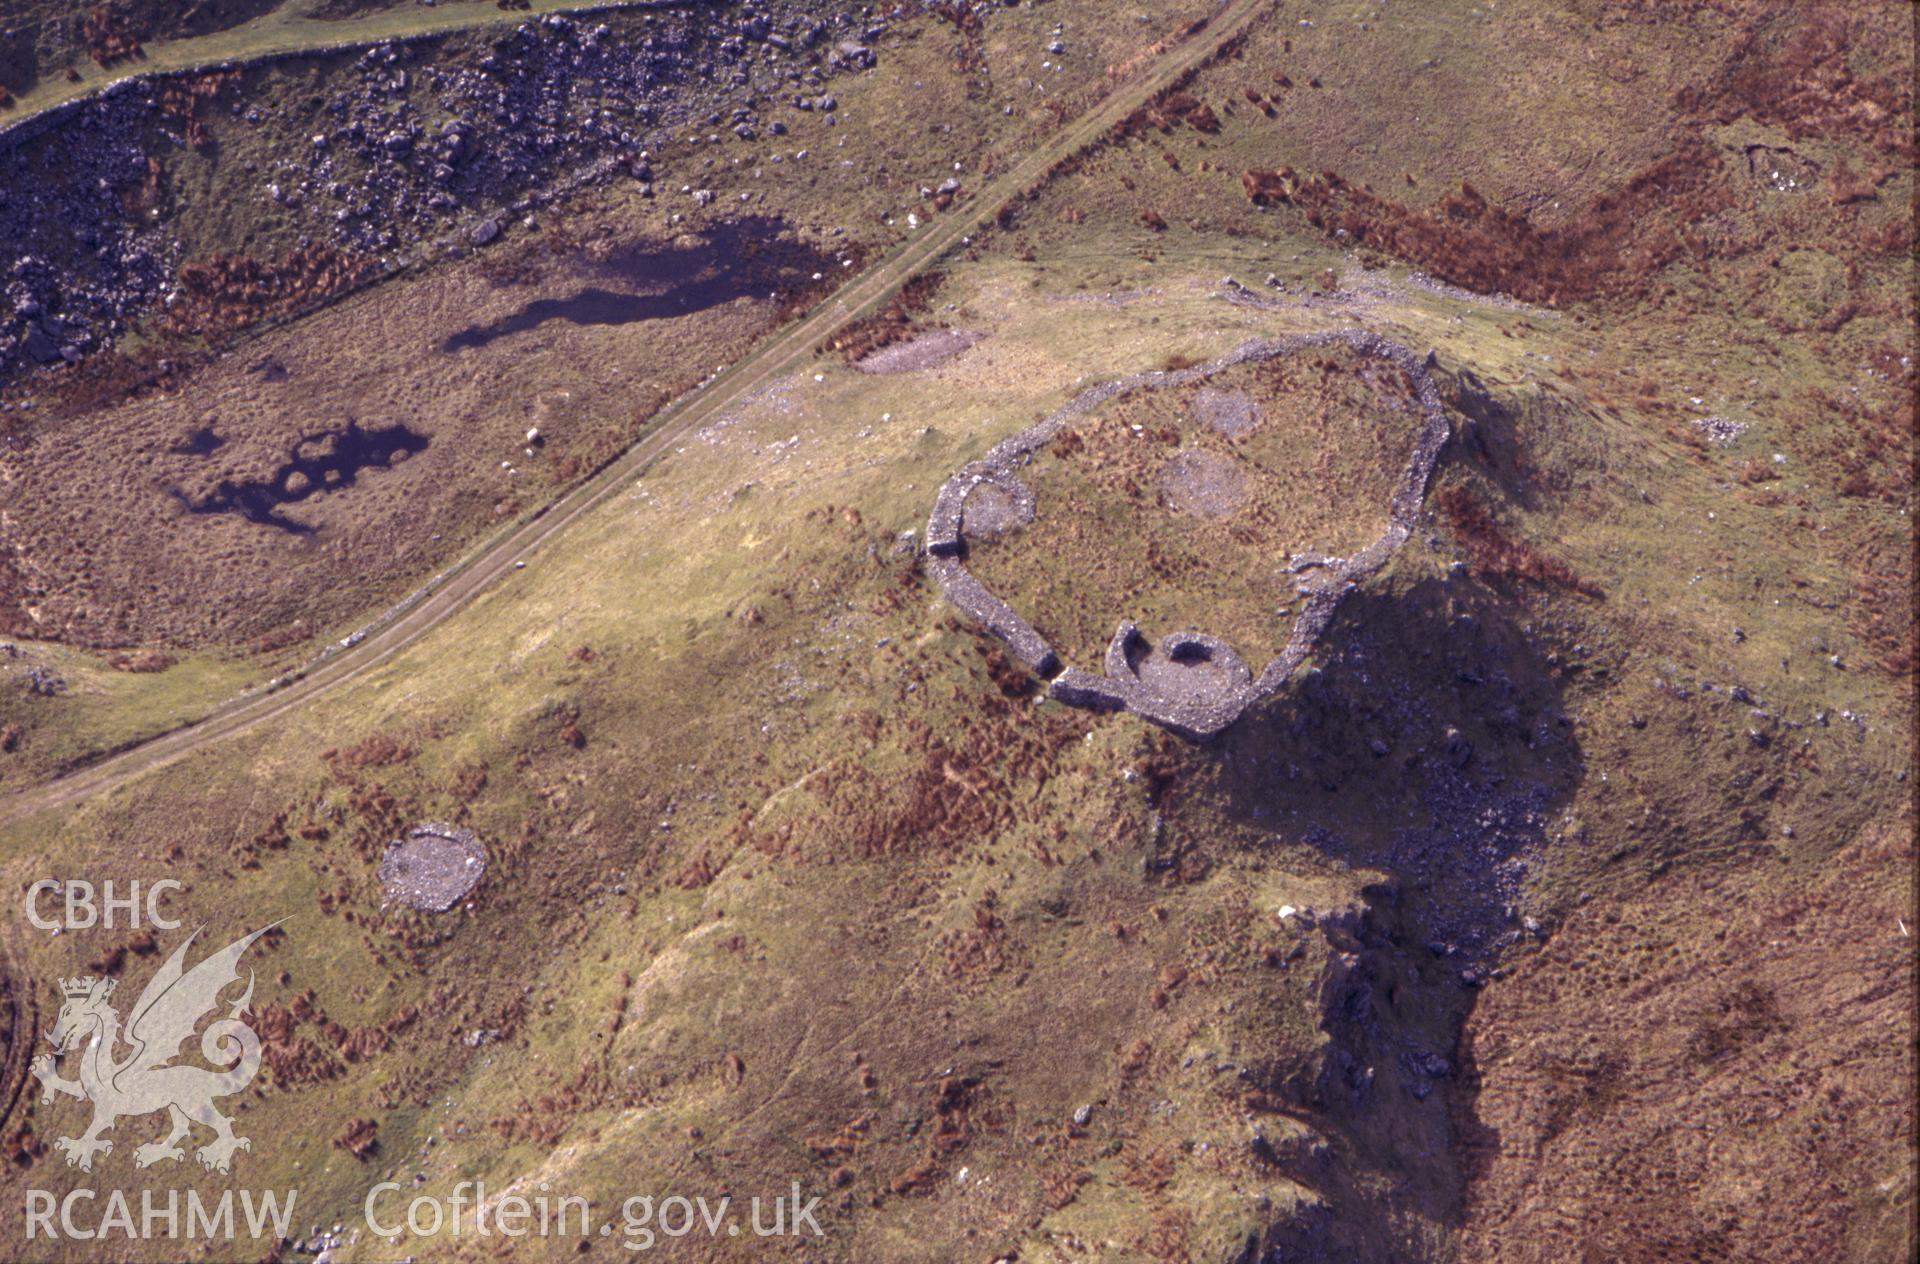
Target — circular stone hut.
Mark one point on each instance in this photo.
(433, 868)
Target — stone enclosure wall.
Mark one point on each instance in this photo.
(1198, 685)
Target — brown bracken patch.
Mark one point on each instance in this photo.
(1495, 553)
(227, 293)
(858, 339)
(1621, 240)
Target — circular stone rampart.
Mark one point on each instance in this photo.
(1190, 683)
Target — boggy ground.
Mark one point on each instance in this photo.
(1184, 509)
(324, 471)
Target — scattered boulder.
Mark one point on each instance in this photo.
(851, 53)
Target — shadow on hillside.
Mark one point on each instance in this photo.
(1430, 745)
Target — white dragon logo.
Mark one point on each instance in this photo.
(161, 1022)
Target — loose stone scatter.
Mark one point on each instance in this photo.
(433, 868)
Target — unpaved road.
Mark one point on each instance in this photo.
(282, 33)
(861, 296)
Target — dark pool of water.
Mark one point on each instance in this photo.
(325, 462)
(743, 258)
(202, 442)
